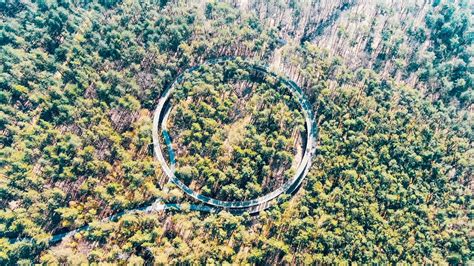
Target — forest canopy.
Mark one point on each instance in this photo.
(238, 132)
(389, 83)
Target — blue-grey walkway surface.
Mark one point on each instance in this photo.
(255, 205)
(209, 204)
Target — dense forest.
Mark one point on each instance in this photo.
(236, 133)
(390, 84)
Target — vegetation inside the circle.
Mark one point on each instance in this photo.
(237, 133)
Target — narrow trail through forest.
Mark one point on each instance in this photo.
(209, 204)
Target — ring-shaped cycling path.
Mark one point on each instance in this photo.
(209, 204)
(161, 115)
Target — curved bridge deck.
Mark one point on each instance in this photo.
(161, 115)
